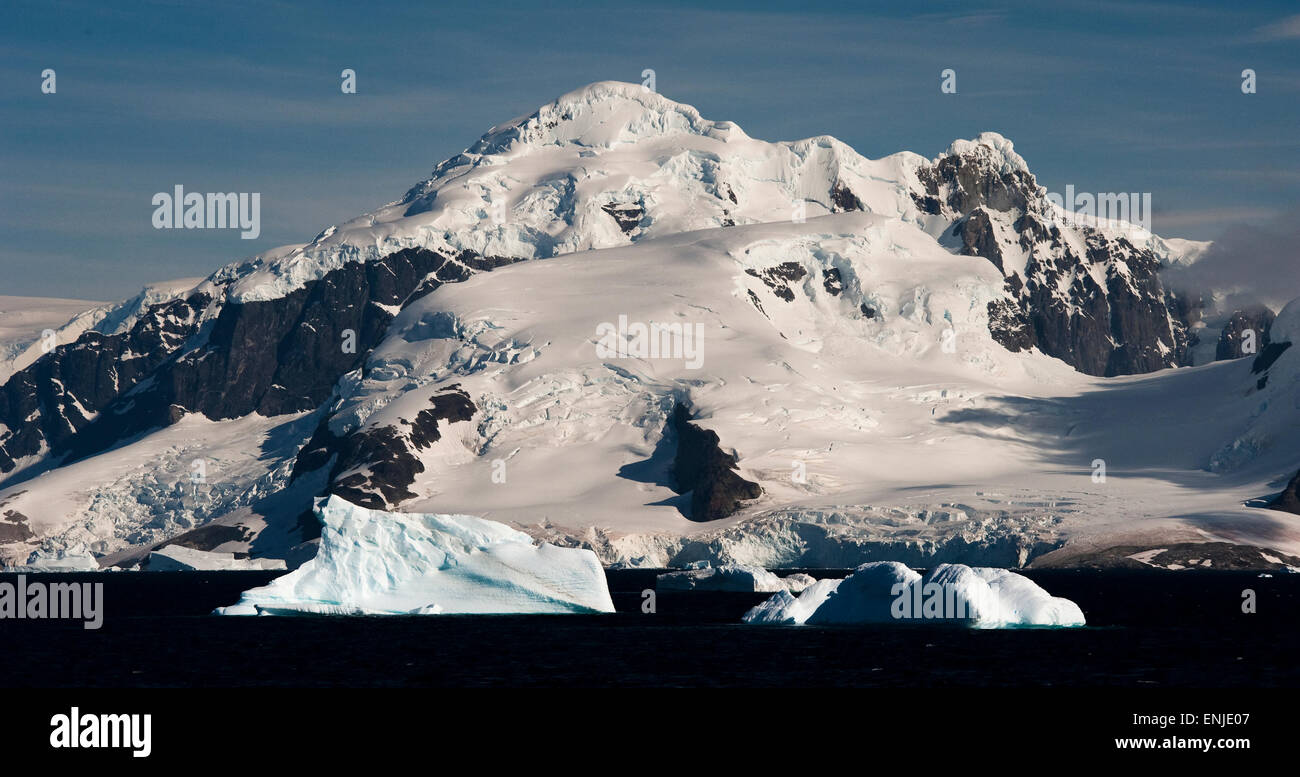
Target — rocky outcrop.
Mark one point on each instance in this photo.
(779, 278)
(221, 358)
(832, 282)
(702, 469)
(1233, 340)
(843, 198)
(375, 466)
(57, 398)
(1289, 500)
(1090, 298)
(628, 216)
(13, 527)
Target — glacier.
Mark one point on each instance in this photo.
(373, 562)
(949, 594)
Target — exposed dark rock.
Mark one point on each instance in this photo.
(628, 216)
(1258, 319)
(1186, 310)
(831, 281)
(969, 182)
(1289, 499)
(927, 204)
(844, 199)
(977, 236)
(1172, 558)
(1059, 303)
(779, 278)
(211, 537)
(374, 466)
(701, 468)
(44, 403)
(13, 527)
(1121, 328)
(868, 311)
(1267, 356)
(272, 357)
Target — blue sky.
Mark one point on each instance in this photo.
(233, 96)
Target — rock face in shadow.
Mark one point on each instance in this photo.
(221, 358)
(1090, 298)
(1233, 338)
(1289, 500)
(58, 397)
(1121, 325)
(701, 468)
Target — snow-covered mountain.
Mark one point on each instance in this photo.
(23, 323)
(900, 358)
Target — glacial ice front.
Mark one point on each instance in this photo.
(373, 562)
(889, 592)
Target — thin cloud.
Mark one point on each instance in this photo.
(1249, 263)
(1283, 29)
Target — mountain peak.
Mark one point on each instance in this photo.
(999, 151)
(603, 115)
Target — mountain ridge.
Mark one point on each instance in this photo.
(610, 167)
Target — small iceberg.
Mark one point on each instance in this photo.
(701, 576)
(178, 558)
(373, 562)
(74, 559)
(726, 577)
(890, 592)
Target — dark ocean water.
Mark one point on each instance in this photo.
(1147, 629)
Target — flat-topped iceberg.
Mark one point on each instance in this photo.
(373, 562)
(178, 558)
(889, 592)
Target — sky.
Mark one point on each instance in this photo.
(245, 97)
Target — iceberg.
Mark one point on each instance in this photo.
(784, 607)
(74, 559)
(727, 577)
(178, 558)
(798, 582)
(950, 594)
(373, 562)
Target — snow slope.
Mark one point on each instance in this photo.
(161, 485)
(842, 349)
(977, 454)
